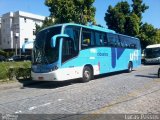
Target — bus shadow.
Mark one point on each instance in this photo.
(58, 84)
(49, 84)
(150, 64)
(111, 74)
(148, 76)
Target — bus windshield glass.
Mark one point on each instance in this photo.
(152, 52)
(43, 53)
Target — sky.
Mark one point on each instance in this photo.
(151, 16)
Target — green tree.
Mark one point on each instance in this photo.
(115, 19)
(78, 11)
(127, 19)
(138, 7)
(132, 25)
(147, 35)
(157, 37)
(47, 22)
(122, 20)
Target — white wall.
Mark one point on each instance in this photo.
(18, 26)
(6, 24)
(0, 33)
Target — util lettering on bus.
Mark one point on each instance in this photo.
(134, 55)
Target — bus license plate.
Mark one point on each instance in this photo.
(40, 78)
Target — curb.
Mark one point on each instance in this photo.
(17, 84)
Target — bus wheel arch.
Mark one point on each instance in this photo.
(88, 73)
(130, 66)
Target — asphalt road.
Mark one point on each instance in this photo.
(137, 92)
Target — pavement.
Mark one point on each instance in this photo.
(16, 84)
(121, 93)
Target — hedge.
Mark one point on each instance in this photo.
(19, 73)
(3, 53)
(18, 70)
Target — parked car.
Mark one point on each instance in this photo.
(159, 73)
(2, 58)
(17, 58)
(28, 57)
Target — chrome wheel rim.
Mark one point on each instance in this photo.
(86, 74)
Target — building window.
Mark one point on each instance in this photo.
(25, 20)
(34, 32)
(25, 40)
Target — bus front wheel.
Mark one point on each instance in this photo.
(87, 74)
(159, 73)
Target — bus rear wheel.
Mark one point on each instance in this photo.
(130, 67)
(159, 73)
(87, 74)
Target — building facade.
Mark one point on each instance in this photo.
(18, 28)
(0, 31)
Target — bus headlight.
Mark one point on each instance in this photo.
(54, 68)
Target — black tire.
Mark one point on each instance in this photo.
(159, 73)
(87, 74)
(130, 67)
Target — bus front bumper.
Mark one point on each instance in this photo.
(152, 61)
(51, 76)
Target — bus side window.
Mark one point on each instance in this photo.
(124, 41)
(105, 40)
(87, 39)
(113, 40)
(68, 50)
(74, 33)
(101, 39)
(98, 39)
(110, 38)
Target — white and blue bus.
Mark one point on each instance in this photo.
(69, 51)
(152, 54)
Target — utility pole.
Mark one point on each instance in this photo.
(16, 36)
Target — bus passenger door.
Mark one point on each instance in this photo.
(68, 53)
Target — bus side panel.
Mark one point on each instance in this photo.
(102, 59)
(75, 65)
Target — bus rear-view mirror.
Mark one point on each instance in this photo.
(55, 37)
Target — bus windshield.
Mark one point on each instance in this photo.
(43, 53)
(152, 52)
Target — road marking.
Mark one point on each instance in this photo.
(32, 108)
(60, 99)
(35, 107)
(18, 112)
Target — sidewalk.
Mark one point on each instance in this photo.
(16, 84)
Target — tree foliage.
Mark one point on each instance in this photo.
(138, 8)
(47, 22)
(78, 11)
(121, 19)
(127, 19)
(132, 25)
(157, 37)
(147, 35)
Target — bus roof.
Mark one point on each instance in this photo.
(93, 27)
(153, 46)
(89, 26)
